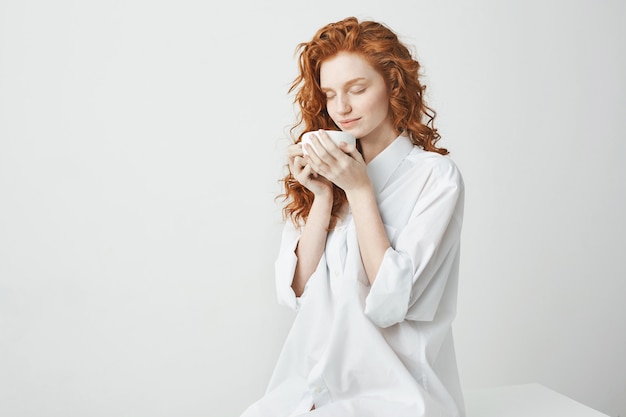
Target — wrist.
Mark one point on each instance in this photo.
(324, 193)
(364, 192)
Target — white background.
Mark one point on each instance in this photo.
(140, 147)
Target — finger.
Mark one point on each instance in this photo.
(323, 161)
(312, 158)
(311, 150)
(294, 168)
(308, 172)
(319, 157)
(302, 176)
(350, 150)
(324, 146)
(328, 144)
(296, 164)
(308, 144)
(294, 150)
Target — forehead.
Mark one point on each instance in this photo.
(345, 67)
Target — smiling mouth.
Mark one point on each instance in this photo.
(348, 121)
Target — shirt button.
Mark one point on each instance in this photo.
(336, 273)
(318, 390)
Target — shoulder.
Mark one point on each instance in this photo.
(435, 166)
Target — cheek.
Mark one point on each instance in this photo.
(330, 109)
(379, 103)
(380, 107)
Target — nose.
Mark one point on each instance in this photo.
(343, 104)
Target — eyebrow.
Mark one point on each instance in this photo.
(347, 83)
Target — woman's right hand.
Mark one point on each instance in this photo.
(303, 172)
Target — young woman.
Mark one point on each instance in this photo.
(370, 250)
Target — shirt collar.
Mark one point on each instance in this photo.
(385, 163)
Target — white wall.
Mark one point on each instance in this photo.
(140, 147)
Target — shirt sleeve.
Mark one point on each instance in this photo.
(413, 274)
(285, 266)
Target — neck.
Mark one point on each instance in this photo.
(374, 143)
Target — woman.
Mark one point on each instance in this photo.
(370, 250)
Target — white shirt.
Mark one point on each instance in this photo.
(383, 350)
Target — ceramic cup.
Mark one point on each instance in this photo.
(336, 136)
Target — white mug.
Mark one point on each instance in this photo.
(336, 136)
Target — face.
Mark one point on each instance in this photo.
(357, 98)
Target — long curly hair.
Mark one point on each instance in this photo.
(381, 47)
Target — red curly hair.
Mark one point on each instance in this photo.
(383, 50)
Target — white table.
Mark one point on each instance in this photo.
(528, 400)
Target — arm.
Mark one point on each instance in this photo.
(370, 231)
(313, 239)
(407, 280)
(344, 166)
(416, 271)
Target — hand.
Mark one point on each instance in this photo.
(343, 165)
(303, 172)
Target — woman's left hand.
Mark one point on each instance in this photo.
(343, 165)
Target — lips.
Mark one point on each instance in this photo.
(348, 122)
